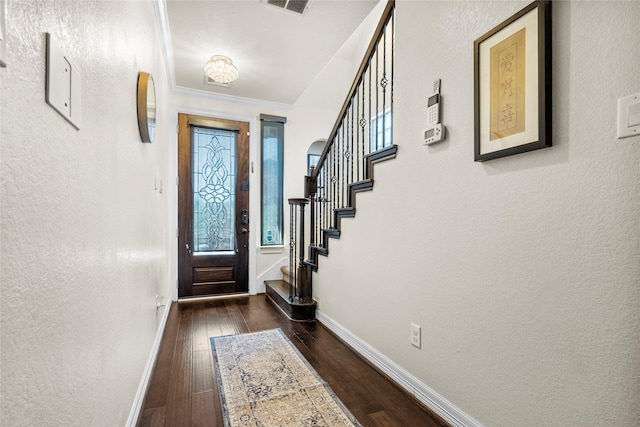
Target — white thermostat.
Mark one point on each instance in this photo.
(434, 133)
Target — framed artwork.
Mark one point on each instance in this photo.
(512, 85)
(312, 160)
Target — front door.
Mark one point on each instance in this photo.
(213, 206)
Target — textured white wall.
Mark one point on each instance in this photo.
(523, 272)
(84, 235)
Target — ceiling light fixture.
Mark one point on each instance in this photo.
(221, 69)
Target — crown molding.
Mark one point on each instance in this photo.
(162, 23)
(181, 90)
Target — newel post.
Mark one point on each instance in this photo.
(300, 286)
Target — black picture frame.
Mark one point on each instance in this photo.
(512, 85)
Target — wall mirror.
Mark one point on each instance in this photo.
(146, 106)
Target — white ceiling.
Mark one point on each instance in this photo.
(277, 52)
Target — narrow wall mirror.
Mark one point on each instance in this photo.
(146, 106)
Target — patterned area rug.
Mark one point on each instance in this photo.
(265, 381)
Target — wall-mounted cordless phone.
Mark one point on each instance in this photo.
(435, 131)
(433, 109)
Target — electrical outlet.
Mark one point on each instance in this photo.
(414, 336)
(159, 305)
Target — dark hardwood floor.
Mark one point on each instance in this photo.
(183, 390)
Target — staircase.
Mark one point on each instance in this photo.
(361, 137)
(292, 294)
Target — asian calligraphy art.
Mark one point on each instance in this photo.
(512, 85)
(507, 75)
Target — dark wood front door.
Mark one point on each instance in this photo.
(213, 206)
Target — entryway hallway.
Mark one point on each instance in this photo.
(183, 390)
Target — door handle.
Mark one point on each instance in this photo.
(245, 231)
(245, 217)
(188, 248)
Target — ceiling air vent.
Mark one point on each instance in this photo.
(297, 6)
(208, 80)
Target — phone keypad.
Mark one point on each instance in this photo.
(432, 113)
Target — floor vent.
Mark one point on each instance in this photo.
(297, 6)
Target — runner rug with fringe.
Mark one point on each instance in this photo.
(265, 381)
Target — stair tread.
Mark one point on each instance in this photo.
(278, 294)
(282, 288)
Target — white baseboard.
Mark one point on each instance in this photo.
(432, 400)
(148, 369)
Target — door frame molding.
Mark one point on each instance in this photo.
(223, 273)
(254, 201)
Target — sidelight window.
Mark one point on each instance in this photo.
(272, 167)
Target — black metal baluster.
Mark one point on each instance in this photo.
(313, 211)
(318, 201)
(323, 202)
(339, 169)
(393, 40)
(356, 159)
(383, 83)
(363, 125)
(291, 255)
(345, 156)
(343, 159)
(337, 173)
(351, 143)
(326, 191)
(375, 131)
(295, 255)
(334, 181)
(370, 134)
(347, 159)
(330, 186)
(327, 204)
(302, 291)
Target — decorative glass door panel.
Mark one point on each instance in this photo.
(214, 190)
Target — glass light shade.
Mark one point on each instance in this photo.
(221, 69)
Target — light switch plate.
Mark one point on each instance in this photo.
(415, 335)
(63, 84)
(629, 116)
